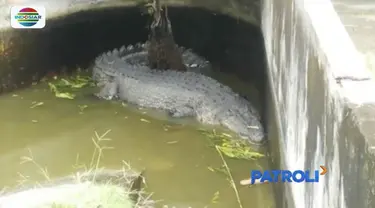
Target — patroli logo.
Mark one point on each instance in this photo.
(28, 17)
(285, 176)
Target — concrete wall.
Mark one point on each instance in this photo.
(72, 23)
(323, 100)
(320, 90)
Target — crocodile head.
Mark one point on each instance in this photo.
(245, 121)
(250, 130)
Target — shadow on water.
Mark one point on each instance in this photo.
(176, 157)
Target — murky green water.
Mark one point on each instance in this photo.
(176, 156)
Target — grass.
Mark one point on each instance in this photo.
(231, 180)
(89, 193)
(231, 147)
(226, 145)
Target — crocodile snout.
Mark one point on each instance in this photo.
(256, 135)
(254, 132)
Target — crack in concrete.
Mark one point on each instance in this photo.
(351, 78)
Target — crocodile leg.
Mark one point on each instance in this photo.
(181, 111)
(108, 91)
(163, 52)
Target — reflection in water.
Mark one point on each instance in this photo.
(176, 156)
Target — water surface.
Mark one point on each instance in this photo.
(175, 155)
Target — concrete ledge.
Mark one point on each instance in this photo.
(247, 10)
(320, 86)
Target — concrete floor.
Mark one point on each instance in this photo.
(358, 16)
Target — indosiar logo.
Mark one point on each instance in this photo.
(28, 17)
(287, 176)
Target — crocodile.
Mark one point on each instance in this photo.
(124, 74)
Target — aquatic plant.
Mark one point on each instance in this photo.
(66, 86)
(230, 147)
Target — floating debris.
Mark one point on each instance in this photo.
(36, 104)
(82, 107)
(65, 95)
(215, 198)
(247, 182)
(144, 120)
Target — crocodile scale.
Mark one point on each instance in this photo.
(123, 74)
